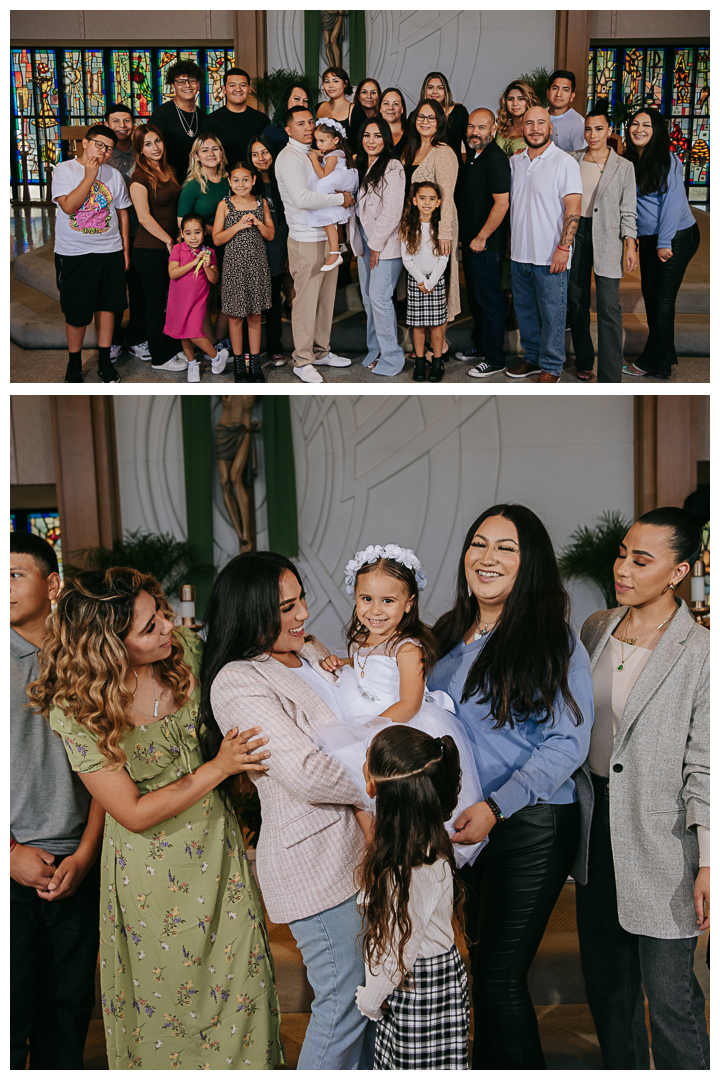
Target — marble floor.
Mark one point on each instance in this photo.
(556, 984)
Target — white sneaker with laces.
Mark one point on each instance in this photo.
(175, 363)
(334, 361)
(115, 351)
(194, 371)
(308, 374)
(141, 351)
(221, 359)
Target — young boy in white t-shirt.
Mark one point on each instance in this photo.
(92, 247)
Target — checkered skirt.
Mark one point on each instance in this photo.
(427, 1026)
(426, 309)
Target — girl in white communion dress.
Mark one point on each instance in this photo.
(383, 680)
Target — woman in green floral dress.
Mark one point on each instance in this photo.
(186, 973)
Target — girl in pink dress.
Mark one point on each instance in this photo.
(193, 269)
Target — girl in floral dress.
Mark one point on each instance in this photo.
(186, 973)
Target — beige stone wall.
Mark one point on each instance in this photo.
(31, 445)
(675, 25)
(128, 27)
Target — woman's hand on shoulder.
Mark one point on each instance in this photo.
(701, 896)
(474, 824)
(237, 753)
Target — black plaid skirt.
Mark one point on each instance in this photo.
(425, 309)
(428, 1025)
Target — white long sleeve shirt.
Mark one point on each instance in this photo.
(426, 267)
(430, 908)
(294, 175)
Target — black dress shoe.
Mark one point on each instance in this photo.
(240, 369)
(419, 368)
(255, 373)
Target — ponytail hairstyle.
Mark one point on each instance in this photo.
(84, 667)
(600, 108)
(410, 229)
(418, 786)
(523, 665)
(686, 528)
(652, 167)
(410, 625)
(340, 135)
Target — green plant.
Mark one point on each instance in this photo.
(173, 562)
(539, 79)
(269, 88)
(592, 552)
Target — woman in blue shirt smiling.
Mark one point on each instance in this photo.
(522, 687)
(668, 237)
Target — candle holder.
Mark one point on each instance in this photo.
(187, 608)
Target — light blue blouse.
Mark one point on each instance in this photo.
(667, 213)
(532, 762)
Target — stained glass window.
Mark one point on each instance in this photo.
(45, 523)
(675, 80)
(89, 80)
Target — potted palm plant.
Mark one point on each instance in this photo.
(592, 552)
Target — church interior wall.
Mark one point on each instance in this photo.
(639, 25)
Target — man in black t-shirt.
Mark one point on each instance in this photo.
(180, 121)
(236, 122)
(483, 216)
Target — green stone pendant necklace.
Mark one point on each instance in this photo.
(634, 641)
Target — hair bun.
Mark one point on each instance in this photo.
(697, 505)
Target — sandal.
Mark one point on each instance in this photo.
(584, 376)
(633, 369)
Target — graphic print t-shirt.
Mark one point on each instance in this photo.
(94, 228)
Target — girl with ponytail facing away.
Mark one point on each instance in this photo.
(415, 982)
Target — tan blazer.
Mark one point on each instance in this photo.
(310, 842)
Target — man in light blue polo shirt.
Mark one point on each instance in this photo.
(545, 206)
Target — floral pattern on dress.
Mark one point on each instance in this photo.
(186, 974)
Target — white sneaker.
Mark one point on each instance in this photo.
(308, 373)
(334, 361)
(175, 363)
(141, 351)
(221, 359)
(194, 371)
(115, 351)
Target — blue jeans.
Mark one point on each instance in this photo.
(540, 300)
(331, 951)
(618, 966)
(486, 272)
(377, 287)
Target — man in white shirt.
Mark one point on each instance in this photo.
(92, 247)
(312, 309)
(568, 131)
(545, 204)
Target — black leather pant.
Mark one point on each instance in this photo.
(660, 283)
(511, 891)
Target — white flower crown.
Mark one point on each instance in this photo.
(371, 554)
(333, 124)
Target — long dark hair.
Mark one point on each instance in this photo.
(282, 106)
(358, 88)
(371, 177)
(410, 625)
(410, 226)
(524, 663)
(142, 164)
(414, 140)
(277, 200)
(652, 167)
(243, 623)
(418, 786)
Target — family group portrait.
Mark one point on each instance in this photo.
(359, 732)
(352, 196)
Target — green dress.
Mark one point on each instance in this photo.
(185, 966)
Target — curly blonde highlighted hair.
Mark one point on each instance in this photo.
(83, 661)
(504, 119)
(195, 169)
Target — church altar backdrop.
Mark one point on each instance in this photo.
(409, 470)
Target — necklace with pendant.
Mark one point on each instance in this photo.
(188, 128)
(485, 630)
(157, 703)
(363, 666)
(637, 643)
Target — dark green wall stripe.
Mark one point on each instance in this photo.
(282, 513)
(199, 464)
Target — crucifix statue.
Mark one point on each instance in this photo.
(235, 451)
(333, 27)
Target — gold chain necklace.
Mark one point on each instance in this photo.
(594, 162)
(635, 642)
(363, 666)
(157, 703)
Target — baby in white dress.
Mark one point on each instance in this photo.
(383, 680)
(330, 162)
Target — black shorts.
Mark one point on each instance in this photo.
(90, 283)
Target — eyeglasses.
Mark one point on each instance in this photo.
(428, 119)
(186, 83)
(102, 146)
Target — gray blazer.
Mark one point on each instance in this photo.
(614, 214)
(310, 842)
(659, 779)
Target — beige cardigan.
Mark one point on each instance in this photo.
(310, 841)
(441, 167)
